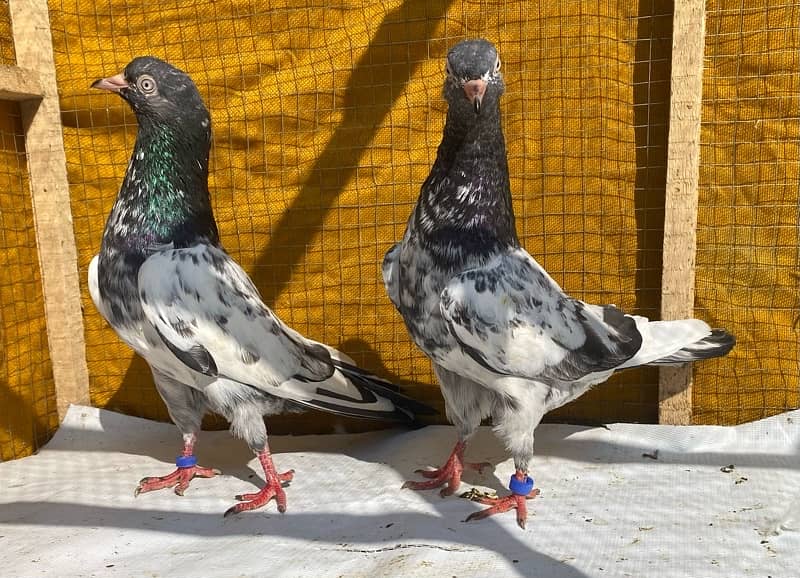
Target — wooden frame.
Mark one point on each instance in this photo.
(33, 83)
(680, 209)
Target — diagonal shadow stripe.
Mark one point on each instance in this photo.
(395, 52)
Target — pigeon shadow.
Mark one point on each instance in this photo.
(335, 529)
(332, 531)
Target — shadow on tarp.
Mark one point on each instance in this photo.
(429, 530)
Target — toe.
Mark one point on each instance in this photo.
(448, 490)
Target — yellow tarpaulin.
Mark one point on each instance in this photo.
(326, 121)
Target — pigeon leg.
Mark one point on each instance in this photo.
(449, 473)
(272, 489)
(522, 489)
(187, 469)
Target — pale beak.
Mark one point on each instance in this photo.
(112, 83)
(475, 89)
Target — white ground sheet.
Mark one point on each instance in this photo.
(606, 508)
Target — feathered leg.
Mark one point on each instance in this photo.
(515, 420)
(466, 403)
(186, 407)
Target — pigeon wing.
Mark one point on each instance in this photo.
(512, 318)
(211, 317)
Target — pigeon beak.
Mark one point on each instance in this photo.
(112, 83)
(475, 89)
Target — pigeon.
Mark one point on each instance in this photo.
(505, 340)
(164, 283)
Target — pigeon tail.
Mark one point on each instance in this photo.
(406, 407)
(718, 344)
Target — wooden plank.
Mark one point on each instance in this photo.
(19, 84)
(680, 220)
(44, 147)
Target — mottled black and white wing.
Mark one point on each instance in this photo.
(210, 316)
(677, 341)
(512, 318)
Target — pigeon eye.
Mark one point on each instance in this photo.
(497, 66)
(146, 84)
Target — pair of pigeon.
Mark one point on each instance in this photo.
(504, 339)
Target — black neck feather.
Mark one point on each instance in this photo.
(164, 198)
(465, 205)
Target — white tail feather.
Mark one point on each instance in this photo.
(665, 338)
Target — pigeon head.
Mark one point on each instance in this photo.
(164, 197)
(464, 209)
(158, 92)
(474, 83)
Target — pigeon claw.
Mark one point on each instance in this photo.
(180, 479)
(273, 489)
(504, 504)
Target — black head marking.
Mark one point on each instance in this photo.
(473, 84)
(164, 198)
(471, 59)
(159, 91)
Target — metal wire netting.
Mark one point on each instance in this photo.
(28, 414)
(27, 394)
(747, 257)
(326, 123)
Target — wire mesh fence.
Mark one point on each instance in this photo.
(326, 122)
(27, 394)
(747, 257)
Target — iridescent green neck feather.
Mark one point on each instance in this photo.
(164, 198)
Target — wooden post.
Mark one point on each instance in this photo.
(680, 220)
(44, 149)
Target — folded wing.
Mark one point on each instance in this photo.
(513, 319)
(210, 316)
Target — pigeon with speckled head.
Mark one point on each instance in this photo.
(163, 281)
(504, 339)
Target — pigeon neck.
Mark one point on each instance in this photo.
(164, 198)
(466, 200)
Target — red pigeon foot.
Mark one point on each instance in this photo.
(521, 490)
(272, 489)
(186, 471)
(449, 473)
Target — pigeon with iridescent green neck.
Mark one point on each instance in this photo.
(163, 281)
(505, 340)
